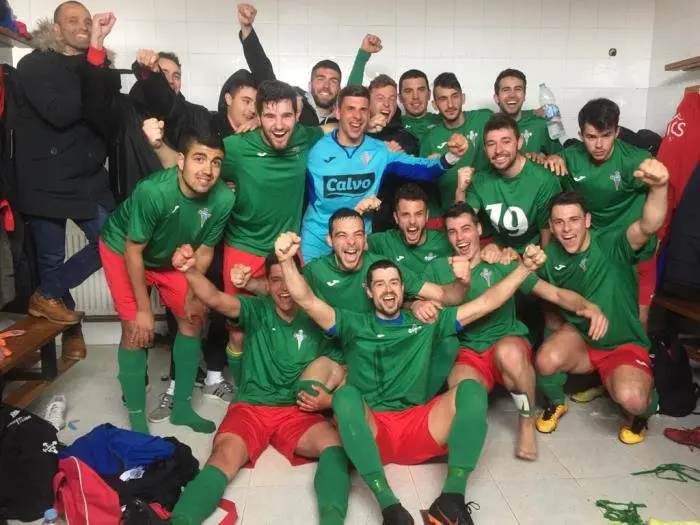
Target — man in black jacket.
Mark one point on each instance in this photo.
(59, 160)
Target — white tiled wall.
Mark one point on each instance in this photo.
(564, 43)
(675, 38)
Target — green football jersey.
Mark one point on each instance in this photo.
(436, 142)
(516, 207)
(481, 334)
(605, 275)
(160, 216)
(389, 361)
(420, 126)
(275, 352)
(270, 186)
(613, 196)
(342, 289)
(533, 130)
(390, 244)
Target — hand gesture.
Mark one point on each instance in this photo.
(102, 24)
(598, 326)
(458, 145)
(322, 400)
(241, 275)
(287, 246)
(426, 311)
(371, 203)
(461, 268)
(154, 130)
(184, 258)
(246, 15)
(533, 257)
(464, 177)
(377, 123)
(148, 59)
(371, 44)
(491, 253)
(652, 172)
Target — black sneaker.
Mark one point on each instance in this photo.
(450, 509)
(397, 515)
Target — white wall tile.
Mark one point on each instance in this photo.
(410, 41)
(613, 14)
(439, 42)
(171, 10)
(498, 14)
(468, 42)
(555, 13)
(525, 42)
(469, 13)
(496, 43)
(171, 36)
(381, 13)
(527, 14)
(292, 12)
(440, 13)
(640, 14)
(583, 14)
(553, 42)
(204, 11)
(411, 12)
(140, 34)
(294, 40)
(135, 10)
(203, 37)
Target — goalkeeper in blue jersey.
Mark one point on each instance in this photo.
(346, 166)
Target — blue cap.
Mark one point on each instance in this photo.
(51, 514)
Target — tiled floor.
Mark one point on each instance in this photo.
(579, 463)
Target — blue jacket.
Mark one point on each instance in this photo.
(340, 177)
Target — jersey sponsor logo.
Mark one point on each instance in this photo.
(486, 275)
(559, 267)
(332, 283)
(414, 329)
(336, 186)
(262, 154)
(177, 207)
(299, 336)
(400, 258)
(583, 264)
(526, 136)
(204, 215)
(366, 158)
(616, 178)
(579, 178)
(429, 257)
(472, 136)
(441, 145)
(329, 159)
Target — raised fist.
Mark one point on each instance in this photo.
(377, 123)
(102, 24)
(371, 203)
(464, 177)
(461, 268)
(371, 44)
(533, 257)
(148, 59)
(246, 15)
(184, 258)
(154, 129)
(287, 246)
(458, 145)
(652, 172)
(240, 275)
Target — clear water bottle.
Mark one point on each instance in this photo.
(51, 518)
(551, 113)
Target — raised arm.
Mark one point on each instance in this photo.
(655, 174)
(258, 61)
(286, 248)
(417, 168)
(494, 297)
(370, 44)
(154, 130)
(451, 294)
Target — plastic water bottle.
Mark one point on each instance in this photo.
(551, 113)
(51, 518)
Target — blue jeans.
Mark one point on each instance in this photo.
(56, 275)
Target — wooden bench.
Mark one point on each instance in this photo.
(37, 344)
(684, 308)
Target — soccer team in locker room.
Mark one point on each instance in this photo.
(514, 261)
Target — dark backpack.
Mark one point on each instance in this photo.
(673, 377)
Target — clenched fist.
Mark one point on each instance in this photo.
(154, 130)
(246, 15)
(534, 257)
(287, 246)
(461, 268)
(377, 123)
(148, 59)
(102, 24)
(184, 258)
(458, 145)
(464, 177)
(240, 275)
(652, 172)
(371, 203)
(371, 44)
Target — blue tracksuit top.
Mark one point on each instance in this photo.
(339, 177)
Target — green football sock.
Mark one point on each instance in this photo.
(306, 384)
(200, 497)
(332, 486)
(359, 443)
(467, 434)
(235, 364)
(186, 351)
(553, 387)
(132, 377)
(653, 407)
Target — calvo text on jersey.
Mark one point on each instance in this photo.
(335, 186)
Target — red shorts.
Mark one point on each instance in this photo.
(233, 256)
(606, 361)
(259, 426)
(438, 223)
(647, 280)
(404, 438)
(171, 285)
(485, 363)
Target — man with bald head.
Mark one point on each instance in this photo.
(60, 157)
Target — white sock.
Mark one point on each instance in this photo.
(213, 377)
(171, 388)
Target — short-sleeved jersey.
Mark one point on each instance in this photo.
(270, 187)
(516, 207)
(436, 142)
(422, 125)
(391, 245)
(605, 275)
(275, 352)
(340, 177)
(389, 361)
(612, 194)
(481, 334)
(159, 215)
(533, 130)
(342, 289)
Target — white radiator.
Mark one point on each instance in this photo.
(92, 297)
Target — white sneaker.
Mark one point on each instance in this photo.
(55, 412)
